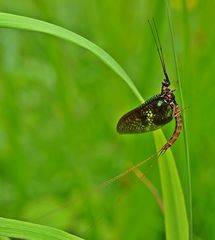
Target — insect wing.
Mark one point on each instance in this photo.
(151, 115)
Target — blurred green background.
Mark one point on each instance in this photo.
(59, 106)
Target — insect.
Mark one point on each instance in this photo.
(151, 115)
(158, 110)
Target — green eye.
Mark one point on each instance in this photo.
(159, 103)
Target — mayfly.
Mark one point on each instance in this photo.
(152, 114)
(158, 110)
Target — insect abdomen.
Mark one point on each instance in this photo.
(178, 128)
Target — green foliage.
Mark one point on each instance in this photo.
(60, 105)
(175, 211)
(24, 230)
(173, 229)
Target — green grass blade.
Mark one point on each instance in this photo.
(26, 230)
(26, 23)
(175, 214)
(176, 223)
(186, 143)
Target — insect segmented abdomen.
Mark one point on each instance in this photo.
(178, 128)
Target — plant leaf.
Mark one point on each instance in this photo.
(175, 214)
(176, 222)
(26, 230)
(20, 22)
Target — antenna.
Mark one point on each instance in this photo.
(155, 34)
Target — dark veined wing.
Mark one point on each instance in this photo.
(151, 115)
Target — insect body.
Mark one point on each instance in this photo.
(158, 110)
(152, 115)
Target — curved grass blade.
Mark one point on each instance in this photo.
(168, 171)
(20, 22)
(31, 231)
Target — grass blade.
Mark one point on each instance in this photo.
(20, 22)
(175, 214)
(186, 143)
(26, 230)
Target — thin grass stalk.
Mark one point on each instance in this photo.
(185, 134)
